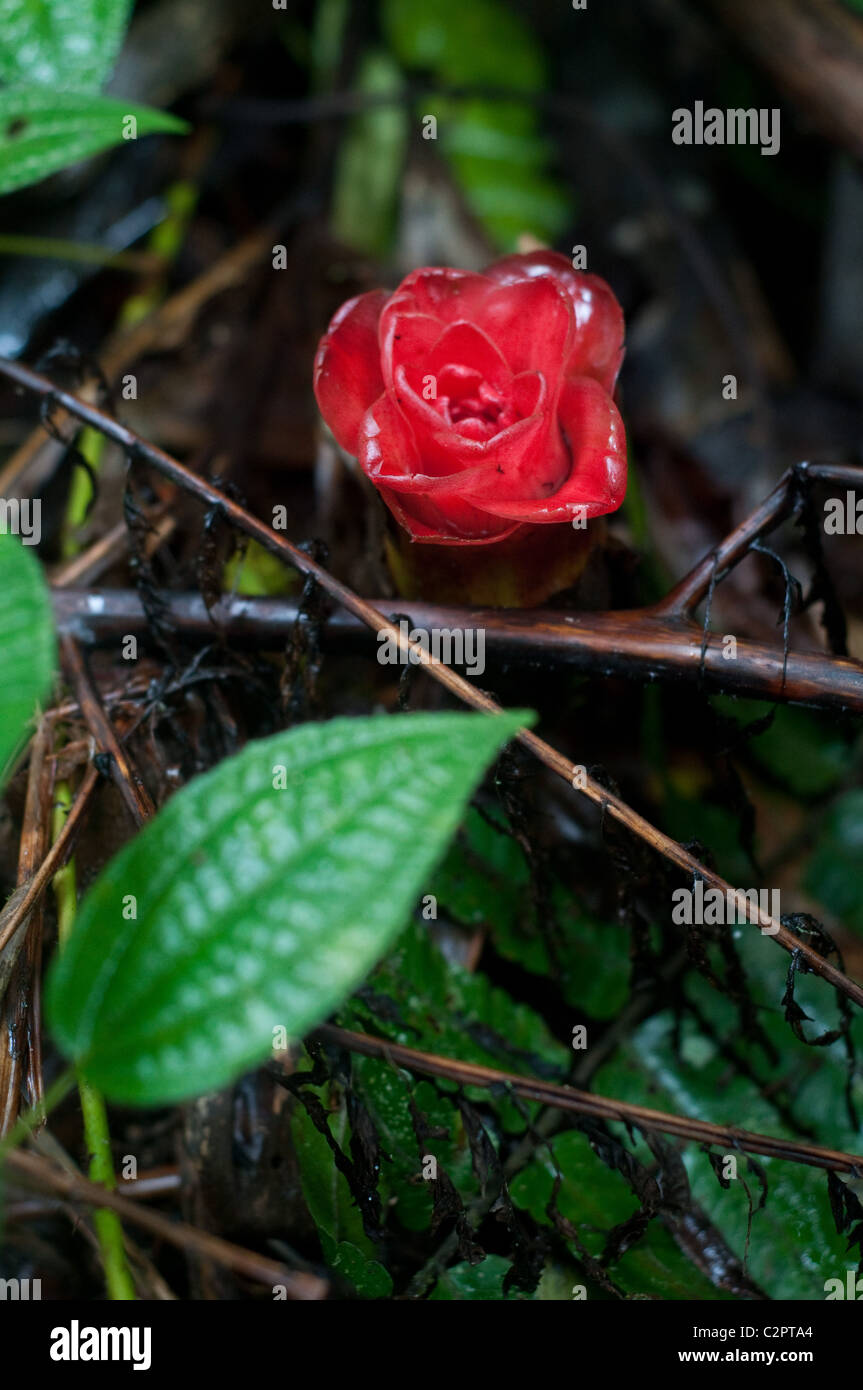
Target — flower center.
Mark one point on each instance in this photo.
(488, 408)
(472, 406)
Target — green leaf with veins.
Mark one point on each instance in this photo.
(259, 896)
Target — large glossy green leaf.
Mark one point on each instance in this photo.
(43, 130)
(260, 907)
(27, 646)
(69, 45)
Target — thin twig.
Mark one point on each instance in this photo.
(586, 1103)
(21, 1044)
(152, 1185)
(693, 587)
(110, 548)
(165, 328)
(123, 770)
(24, 898)
(39, 1173)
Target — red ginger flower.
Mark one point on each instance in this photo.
(477, 404)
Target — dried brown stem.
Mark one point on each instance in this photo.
(123, 770)
(20, 1044)
(110, 548)
(151, 1185)
(814, 49)
(166, 327)
(277, 544)
(24, 899)
(39, 1173)
(586, 1103)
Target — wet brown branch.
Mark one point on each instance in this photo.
(639, 644)
(277, 544)
(586, 1103)
(39, 1173)
(689, 591)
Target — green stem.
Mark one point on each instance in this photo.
(56, 248)
(91, 448)
(109, 1231)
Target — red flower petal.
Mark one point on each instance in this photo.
(529, 392)
(406, 339)
(387, 453)
(466, 345)
(426, 523)
(451, 463)
(438, 292)
(348, 374)
(394, 454)
(596, 484)
(599, 332)
(521, 428)
(599, 328)
(531, 321)
(534, 463)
